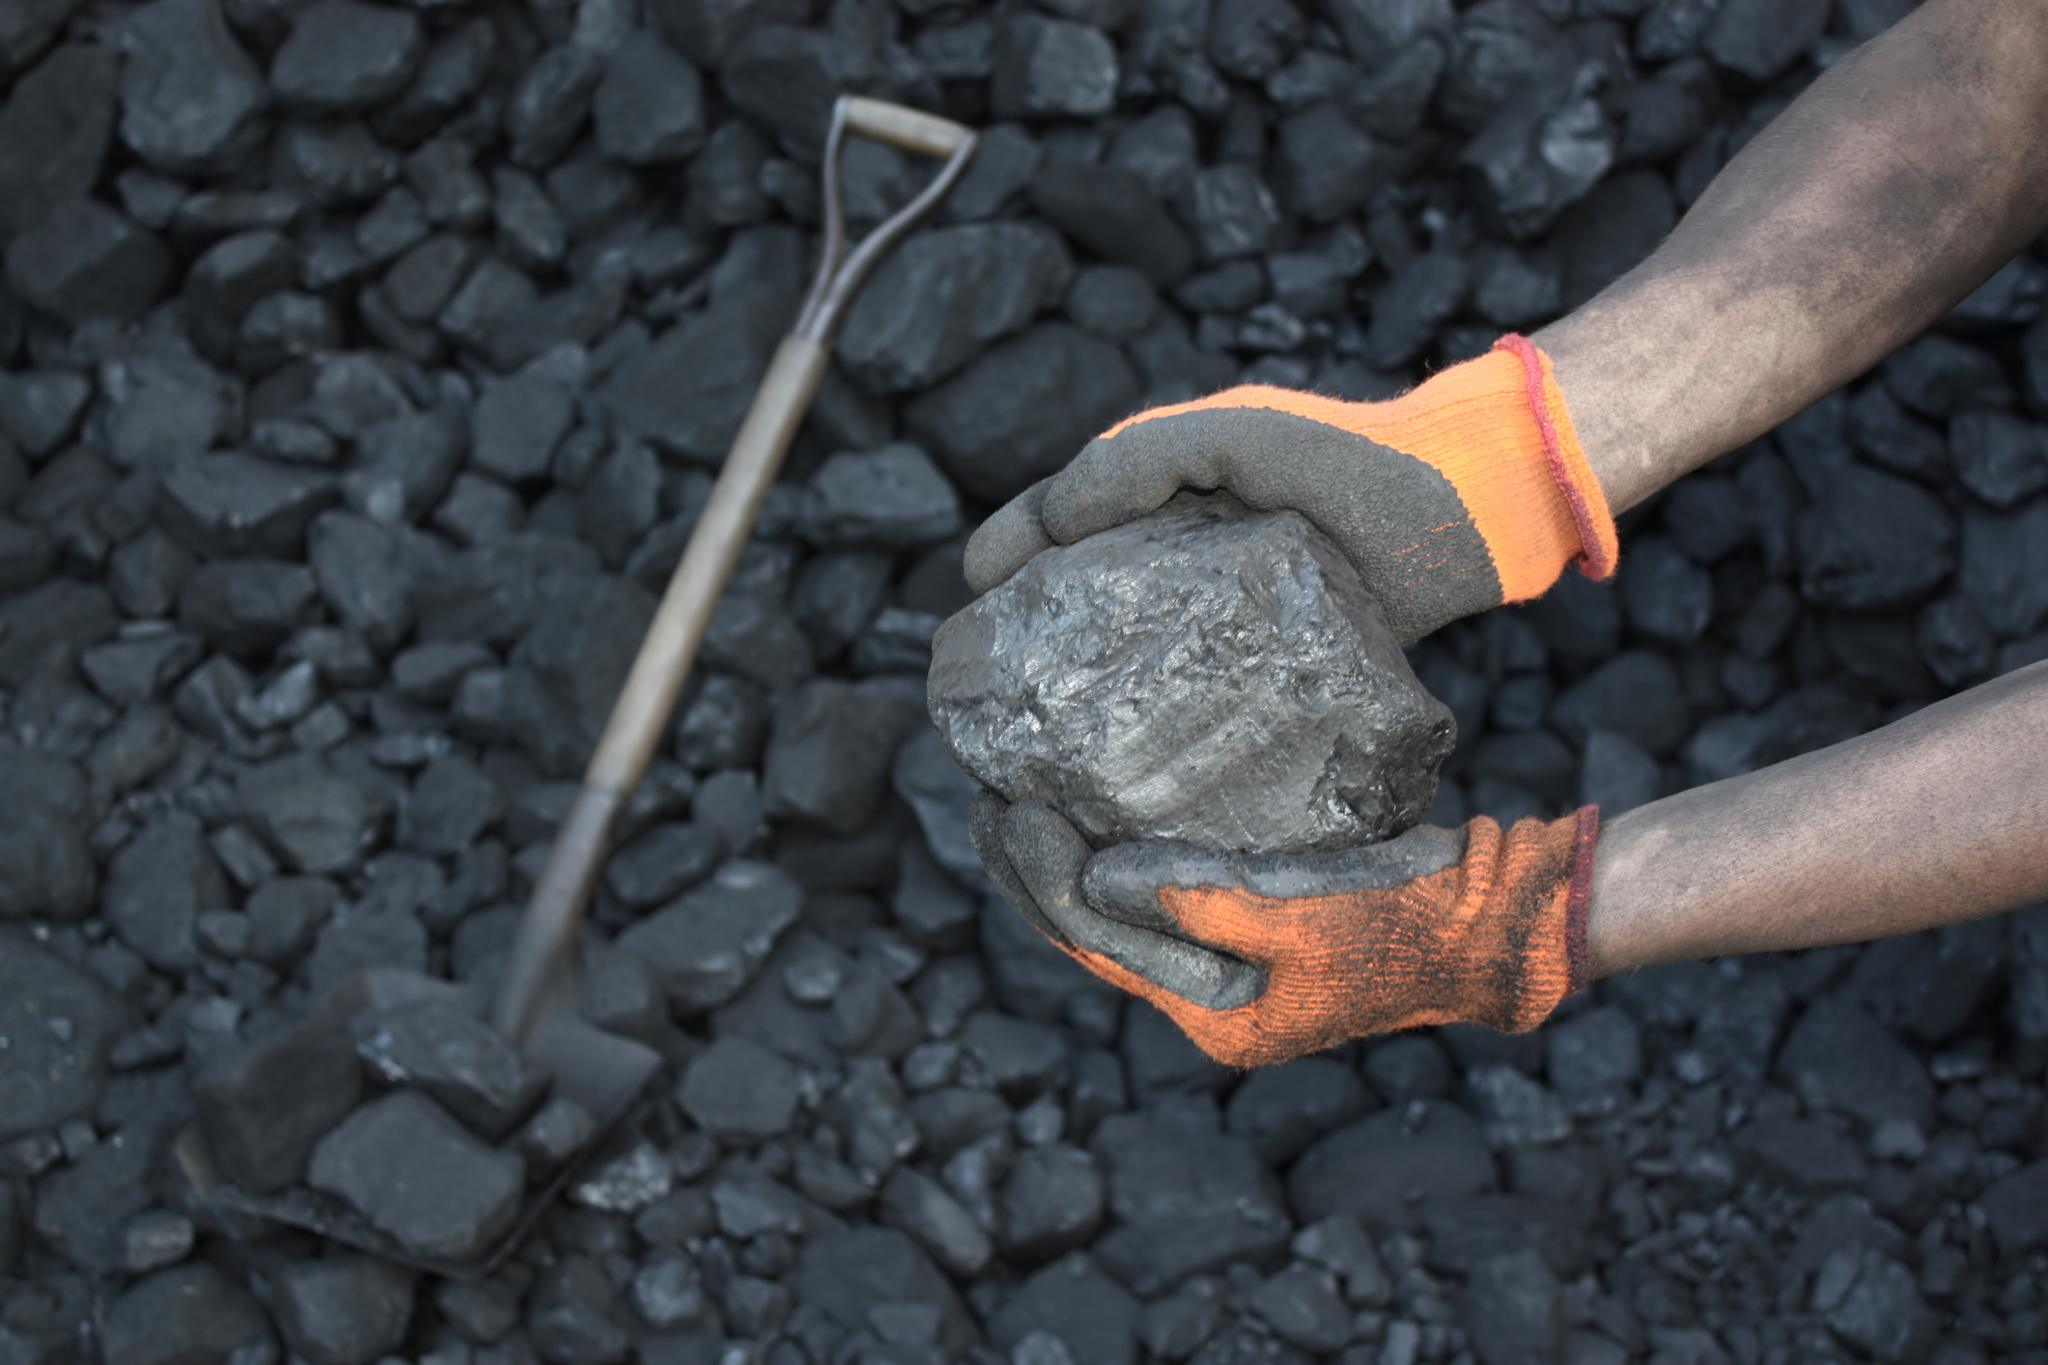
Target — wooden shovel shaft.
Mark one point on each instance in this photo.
(644, 705)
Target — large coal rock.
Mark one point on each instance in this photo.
(1206, 673)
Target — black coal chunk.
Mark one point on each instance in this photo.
(2001, 457)
(157, 884)
(1873, 1302)
(1230, 210)
(1051, 68)
(1112, 211)
(85, 261)
(263, 1106)
(1514, 1310)
(54, 131)
(1329, 167)
(318, 819)
(708, 945)
(343, 1309)
(843, 1274)
(1052, 1202)
(1188, 1200)
(1759, 39)
(191, 100)
(921, 1207)
(894, 496)
(1839, 1058)
(736, 1089)
(1874, 541)
(60, 1025)
(829, 753)
(942, 297)
(454, 1058)
(1387, 1170)
(418, 1177)
(45, 868)
(1021, 411)
(343, 56)
(1132, 738)
(185, 1315)
(649, 105)
(1072, 1311)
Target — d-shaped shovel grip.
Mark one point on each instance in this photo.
(656, 680)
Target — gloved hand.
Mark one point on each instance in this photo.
(1468, 491)
(1263, 959)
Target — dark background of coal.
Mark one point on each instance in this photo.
(364, 368)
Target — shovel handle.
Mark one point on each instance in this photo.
(642, 711)
(913, 130)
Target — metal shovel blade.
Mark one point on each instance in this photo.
(601, 1071)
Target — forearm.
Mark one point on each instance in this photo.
(1889, 189)
(1937, 818)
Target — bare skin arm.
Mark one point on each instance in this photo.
(1937, 818)
(1889, 189)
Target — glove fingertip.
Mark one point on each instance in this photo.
(1006, 542)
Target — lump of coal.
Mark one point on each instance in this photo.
(263, 1106)
(413, 1172)
(1206, 673)
(457, 1059)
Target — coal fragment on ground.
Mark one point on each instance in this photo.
(894, 496)
(1387, 1169)
(84, 261)
(319, 820)
(649, 105)
(453, 1058)
(1051, 1204)
(191, 99)
(706, 947)
(738, 1089)
(1052, 68)
(942, 297)
(60, 1025)
(157, 884)
(842, 1274)
(45, 866)
(343, 1309)
(1514, 1310)
(1874, 541)
(829, 753)
(1132, 740)
(54, 130)
(343, 56)
(184, 1315)
(417, 1177)
(264, 1105)
(1839, 1058)
(1113, 212)
(1023, 408)
(1187, 1200)
(1069, 1311)
(1758, 39)
(1872, 1302)
(921, 1207)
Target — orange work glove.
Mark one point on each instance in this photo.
(1263, 959)
(1468, 491)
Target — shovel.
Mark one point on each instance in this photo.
(534, 1005)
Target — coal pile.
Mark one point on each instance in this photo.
(365, 366)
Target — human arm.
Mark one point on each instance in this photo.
(1891, 187)
(1937, 818)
